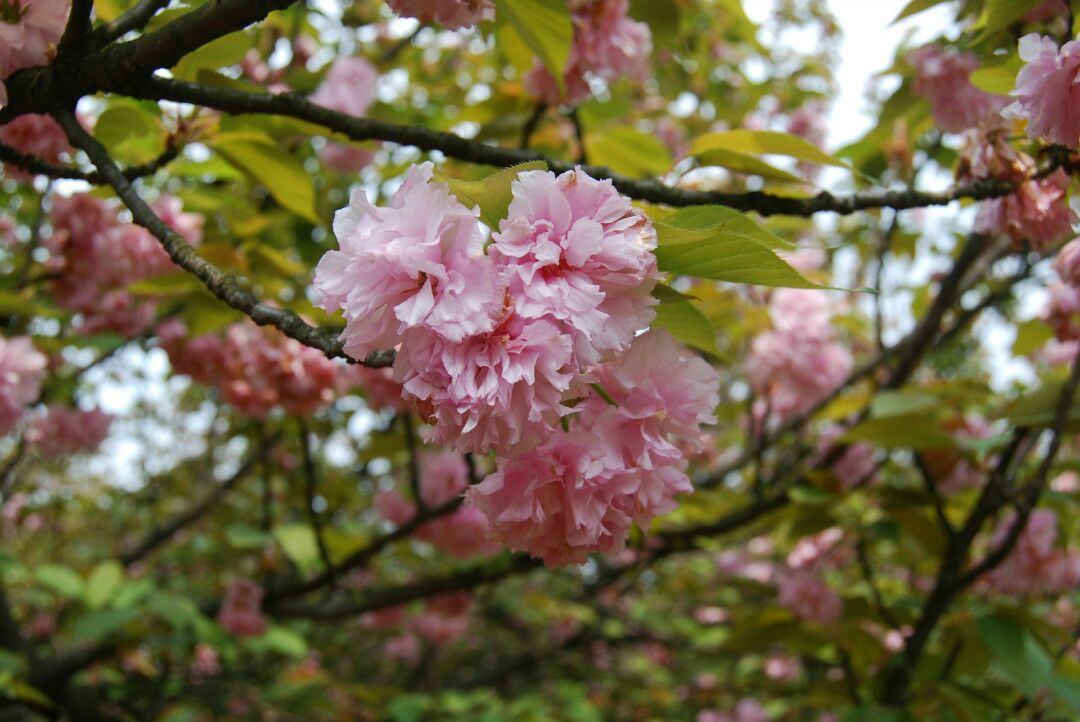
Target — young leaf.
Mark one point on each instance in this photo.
(545, 27)
(265, 162)
(723, 255)
(764, 142)
(687, 324)
(998, 80)
(104, 580)
(629, 152)
(1017, 653)
(492, 193)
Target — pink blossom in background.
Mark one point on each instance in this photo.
(446, 617)
(1057, 353)
(805, 259)
(61, 431)
(241, 611)
(942, 76)
(404, 647)
(345, 157)
(204, 663)
(1067, 482)
(854, 465)
(377, 385)
(451, 14)
(808, 597)
(745, 710)
(36, 135)
(1035, 565)
(501, 389)
(1038, 212)
(782, 668)
(1046, 92)
(29, 31)
(576, 252)
(417, 263)
(1067, 263)
(22, 369)
(349, 87)
(1046, 11)
(1061, 311)
(987, 153)
(822, 550)
(540, 84)
(394, 507)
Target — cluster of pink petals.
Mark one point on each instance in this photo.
(378, 386)
(1062, 311)
(942, 76)
(1048, 10)
(1035, 565)
(799, 362)
(497, 347)
(205, 663)
(36, 135)
(580, 491)
(1047, 93)
(94, 256)
(444, 618)
(1067, 263)
(443, 477)
(451, 14)
(256, 369)
(349, 87)
(29, 31)
(241, 611)
(854, 465)
(62, 431)
(22, 368)
(607, 43)
(808, 597)
(1038, 212)
(745, 710)
(828, 549)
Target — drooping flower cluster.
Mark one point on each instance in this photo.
(1036, 565)
(444, 618)
(94, 256)
(608, 44)
(942, 76)
(22, 368)
(1046, 92)
(256, 369)
(62, 431)
(497, 350)
(241, 610)
(799, 361)
(443, 477)
(349, 87)
(451, 14)
(29, 31)
(36, 135)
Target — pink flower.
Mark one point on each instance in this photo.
(540, 84)
(854, 465)
(808, 597)
(378, 386)
(1035, 565)
(452, 14)
(782, 668)
(1046, 91)
(1057, 353)
(394, 507)
(241, 611)
(1061, 311)
(445, 617)
(418, 262)
(577, 252)
(501, 389)
(22, 368)
(345, 157)
(349, 86)
(942, 77)
(815, 550)
(29, 31)
(1067, 263)
(36, 135)
(204, 663)
(405, 647)
(60, 431)
(1038, 212)
(1048, 10)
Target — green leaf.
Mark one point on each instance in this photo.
(1030, 335)
(910, 431)
(278, 260)
(177, 283)
(764, 142)
(629, 152)
(724, 255)
(713, 217)
(103, 582)
(743, 163)
(63, 580)
(132, 132)
(1000, 14)
(666, 294)
(492, 193)
(1018, 655)
(899, 403)
(265, 162)
(916, 6)
(224, 51)
(998, 80)
(407, 708)
(178, 611)
(688, 324)
(100, 624)
(243, 536)
(1039, 408)
(299, 544)
(545, 27)
(286, 642)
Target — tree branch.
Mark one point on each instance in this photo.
(37, 166)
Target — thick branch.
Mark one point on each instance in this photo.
(37, 166)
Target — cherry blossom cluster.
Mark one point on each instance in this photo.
(29, 31)
(800, 361)
(443, 619)
(349, 87)
(943, 77)
(608, 44)
(1046, 92)
(1036, 565)
(62, 431)
(255, 369)
(497, 349)
(451, 14)
(22, 368)
(444, 476)
(35, 135)
(94, 256)
(1038, 212)
(241, 611)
